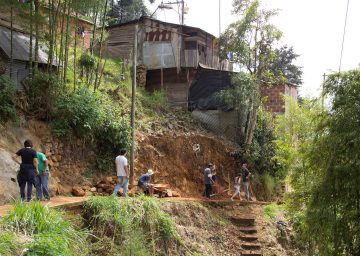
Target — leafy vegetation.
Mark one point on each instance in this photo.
(8, 243)
(7, 99)
(43, 231)
(136, 226)
(320, 149)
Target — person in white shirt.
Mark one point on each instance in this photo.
(122, 172)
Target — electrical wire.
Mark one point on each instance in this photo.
(344, 32)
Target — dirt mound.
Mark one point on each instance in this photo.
(175, 161)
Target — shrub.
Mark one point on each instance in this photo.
(77, 114)
(43, 90)
(271, 211)
(92, 116)
(155, 101)
(7, 99)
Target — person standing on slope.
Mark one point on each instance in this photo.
(237, 181)
(28, 170)
(43, 177)
(246, 181)
(122, 172)
(208, 181)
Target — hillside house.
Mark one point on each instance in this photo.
(21, 54)
(171, 54)
(83, 27)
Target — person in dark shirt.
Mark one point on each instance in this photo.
(144, 182)
(28, 170)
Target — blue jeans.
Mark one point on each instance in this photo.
(44, 185)
(122, 182)
(247, 189)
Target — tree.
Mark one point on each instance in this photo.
(251, 41)
(334, 207)
(127, 10)
(322, 152)
(240, 98)
(282, 65)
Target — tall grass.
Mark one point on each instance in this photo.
(8, 243)
(49, 234)
(136, 225)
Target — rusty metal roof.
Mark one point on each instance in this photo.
(21, 47)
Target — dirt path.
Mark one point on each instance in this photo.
(63, 201)
(57, 201)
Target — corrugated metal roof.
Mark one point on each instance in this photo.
(21, 46)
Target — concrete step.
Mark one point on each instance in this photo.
(244, 221)
(251, 253)
(248, 230)
(251, 246)
(248, 238)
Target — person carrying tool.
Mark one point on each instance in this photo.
(208, 181)
(144, 182)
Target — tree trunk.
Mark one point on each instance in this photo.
(67, 38)
(61, 39)
(55, 30)
(11, 41)
(31, 43)
(101, 47)
(92, 43)
(36, 59)
(253, 121)
(75, 37)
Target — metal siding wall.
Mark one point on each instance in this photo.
(19, 73)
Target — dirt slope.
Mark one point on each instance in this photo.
(174, 161)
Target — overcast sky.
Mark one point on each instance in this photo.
(313, 27)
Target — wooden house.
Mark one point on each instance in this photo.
(171, 54)
(21, 53)
(79, 26)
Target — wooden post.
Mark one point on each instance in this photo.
(133, 100)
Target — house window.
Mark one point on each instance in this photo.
(190, 45)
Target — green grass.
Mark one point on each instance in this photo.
(137, 225)
(8, 243)
(271, 211)
(47, 231)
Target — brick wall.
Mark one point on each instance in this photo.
(273, 97)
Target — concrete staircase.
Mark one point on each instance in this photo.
(248, 235)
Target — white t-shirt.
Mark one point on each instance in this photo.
(121, 162)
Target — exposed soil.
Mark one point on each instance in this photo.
(174, 161)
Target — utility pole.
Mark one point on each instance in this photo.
(133, 99)
(182, 12)
(219, 19)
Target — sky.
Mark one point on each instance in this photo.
(313, 27)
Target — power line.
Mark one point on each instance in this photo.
(344, 32)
